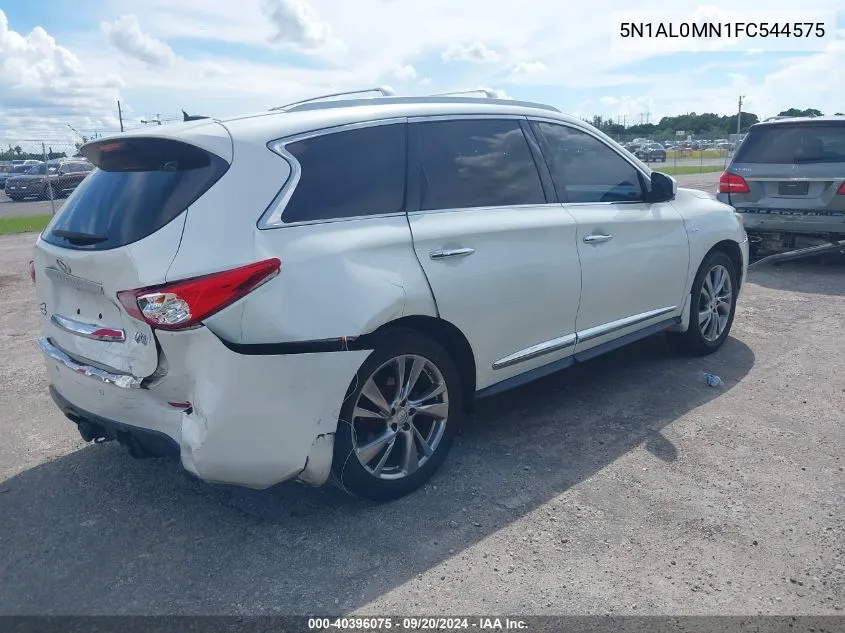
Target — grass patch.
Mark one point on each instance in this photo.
(704, 153)
(688, 169)
(24, 224)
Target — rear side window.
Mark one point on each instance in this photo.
(585, 169)
(469, 163)
(801, 143)
(347, 174)
(139, 186)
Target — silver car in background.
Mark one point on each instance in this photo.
(787, 179)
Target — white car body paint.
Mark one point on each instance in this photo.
(530, 287)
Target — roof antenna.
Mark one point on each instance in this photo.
(192, 117)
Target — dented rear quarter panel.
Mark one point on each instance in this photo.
(255, 419)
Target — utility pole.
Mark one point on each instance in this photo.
(624, 120)
(120, 115)
(648, 117)
(739, 116)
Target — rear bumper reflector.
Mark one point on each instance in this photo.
(124, 381)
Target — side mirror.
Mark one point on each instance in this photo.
(663, 187)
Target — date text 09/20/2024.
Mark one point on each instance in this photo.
(416, 624)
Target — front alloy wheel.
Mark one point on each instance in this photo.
(399, 418)
(712, 305)
(715, 303)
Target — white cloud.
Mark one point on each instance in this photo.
(367, 42)
(297, 24)
(529, 68)
(405, 72)
(126, 35)
(476, 53)
(44, 83)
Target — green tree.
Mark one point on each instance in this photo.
(797, 112)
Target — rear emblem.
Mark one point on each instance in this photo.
(63, 266)
(141, 338)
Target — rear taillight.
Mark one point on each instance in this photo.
(841, 190)
(183, 304)
(731, 183)
(32, 270)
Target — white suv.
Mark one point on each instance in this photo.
(322, 291)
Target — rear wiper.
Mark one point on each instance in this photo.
(79, 239)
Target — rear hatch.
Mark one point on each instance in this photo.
(120, 230)
(792, 171)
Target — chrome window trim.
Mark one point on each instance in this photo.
(486, 208)
(272, 216)
(426, 118)
(645, 174)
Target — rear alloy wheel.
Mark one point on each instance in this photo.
(399, 421)
(712, 305)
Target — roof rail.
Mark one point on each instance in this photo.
(384, 91)
(484, 92)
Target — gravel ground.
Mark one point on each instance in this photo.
(623, 486)
(10, 209)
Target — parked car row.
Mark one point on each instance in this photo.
(9, 170)
(684, 146)
(53, 179)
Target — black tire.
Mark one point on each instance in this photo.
(694, 341)
(15, 198)
(348, 473)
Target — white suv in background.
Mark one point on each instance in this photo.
(323, 290)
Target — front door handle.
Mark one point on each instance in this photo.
(597, 239)
(443, 253)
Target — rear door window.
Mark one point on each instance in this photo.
(347, 174)
(784, 143)
(139, 186)
(468, 163)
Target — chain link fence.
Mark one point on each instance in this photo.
(39, 171)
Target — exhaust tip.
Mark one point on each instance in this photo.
(90, 432)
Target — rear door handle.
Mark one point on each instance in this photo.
(443, 253)
(597, 239)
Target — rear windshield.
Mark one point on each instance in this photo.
(799, 143)
(139, 186)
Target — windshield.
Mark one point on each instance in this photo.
(799, 143)
(40, 170)
(20, 169)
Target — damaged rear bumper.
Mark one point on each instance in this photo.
(252, 420)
